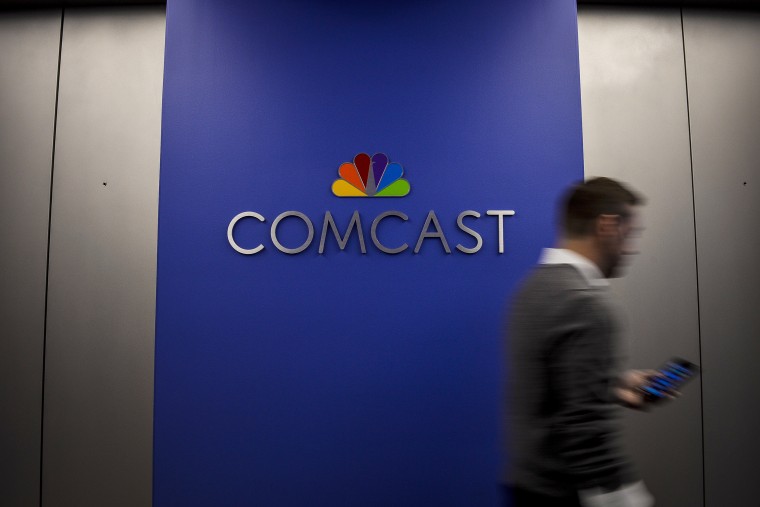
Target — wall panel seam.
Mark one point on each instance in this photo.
(696, 257)
(47, 262)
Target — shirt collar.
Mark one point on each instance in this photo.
(585, 267)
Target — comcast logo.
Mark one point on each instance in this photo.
(367, 176)
(370, 177)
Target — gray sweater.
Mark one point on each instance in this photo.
(563, 421)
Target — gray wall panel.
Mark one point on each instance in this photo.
(723, 62)
(101, 308)
(635, 128)
(28, 73)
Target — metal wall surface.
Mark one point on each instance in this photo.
(723, 63)
(28, 75)
(635, 128)
(98, 407)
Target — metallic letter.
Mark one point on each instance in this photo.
(355, 221)
(437, 234)
(306, 243)
(501, 213)
(464, 228)
(231, 240)
(373, 232)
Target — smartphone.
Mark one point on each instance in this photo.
(671, 377)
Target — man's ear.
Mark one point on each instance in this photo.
(606, 225)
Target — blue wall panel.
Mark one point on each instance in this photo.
(345, 378)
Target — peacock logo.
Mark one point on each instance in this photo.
(372, 176)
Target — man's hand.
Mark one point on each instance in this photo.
(628, 389)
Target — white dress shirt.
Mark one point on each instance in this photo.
(588, 269)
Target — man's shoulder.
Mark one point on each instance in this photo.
(558, 277)
(555, 292)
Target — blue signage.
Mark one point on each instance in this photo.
(324, 335)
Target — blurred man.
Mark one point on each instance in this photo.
(565, 389)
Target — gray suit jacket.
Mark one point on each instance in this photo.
(563, 421)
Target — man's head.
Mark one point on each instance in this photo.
(599, 216)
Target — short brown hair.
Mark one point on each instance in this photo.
(585, 201)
